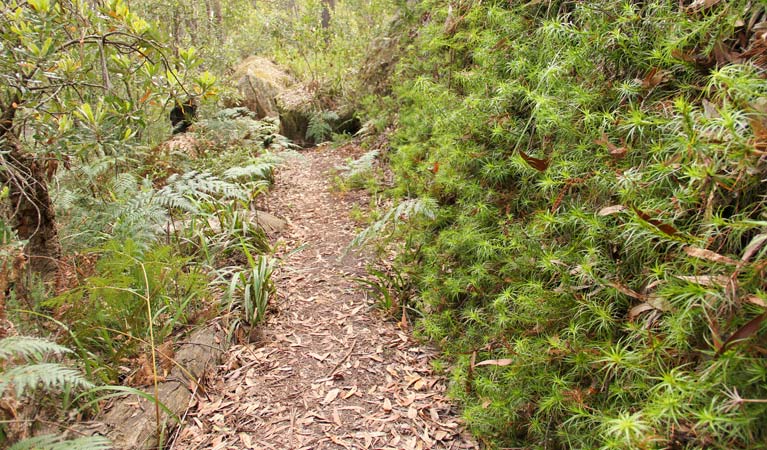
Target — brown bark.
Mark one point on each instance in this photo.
(327, 6)
(209, 19)
(33, 213)
(218, 19)
(175, 37)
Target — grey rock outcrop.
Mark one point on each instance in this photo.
(260, 82)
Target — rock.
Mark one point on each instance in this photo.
(179, 144)
(272, 225)
(375, 73)
(130, 422)
(269, 91)
(260, 81)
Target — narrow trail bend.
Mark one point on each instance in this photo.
(329, 372)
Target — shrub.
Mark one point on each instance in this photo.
(595, 265)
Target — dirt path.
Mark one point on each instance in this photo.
(330, 373)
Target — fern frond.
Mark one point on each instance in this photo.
(140, 219)
(236, 113)
(361, 165)
(124, 183)
(65, 198)
(404, 212)
(29, 347)
(319, 127)
(169, 198)
(99, 167)
(201, 186)
(53, 442)
(275, 159)
(262, 171)
(49, 375)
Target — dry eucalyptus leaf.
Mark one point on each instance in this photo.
(330, 396)
(702, 253)
(495, 362)
(609, 210)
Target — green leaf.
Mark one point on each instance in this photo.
(53, 442)
(85, 112)
(41, 6)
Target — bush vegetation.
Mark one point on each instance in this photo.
(595, 265)
(129, 234)
(582, 217)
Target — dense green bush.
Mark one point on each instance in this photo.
(596, 264)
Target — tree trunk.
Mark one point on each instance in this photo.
(327, 6)
(176, 37)
(218, 20)
(209, 19)
(33, 213)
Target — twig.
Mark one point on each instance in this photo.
(348, 354)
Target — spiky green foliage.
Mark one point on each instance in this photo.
(598, 168)
(250, 290)
(53, 442)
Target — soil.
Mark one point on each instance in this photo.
(328, 370)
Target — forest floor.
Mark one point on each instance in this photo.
(329, 370)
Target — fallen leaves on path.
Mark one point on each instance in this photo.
(331, 373)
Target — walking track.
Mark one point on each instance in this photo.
(329, 371)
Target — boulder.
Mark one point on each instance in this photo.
(269, 91)
(179, 144)
(260, 81)
(271, 224)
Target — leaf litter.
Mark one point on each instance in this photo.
(331, 372)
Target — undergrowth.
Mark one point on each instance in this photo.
(158, 243)
(148, 240)
(26, 374)
(594, 266)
